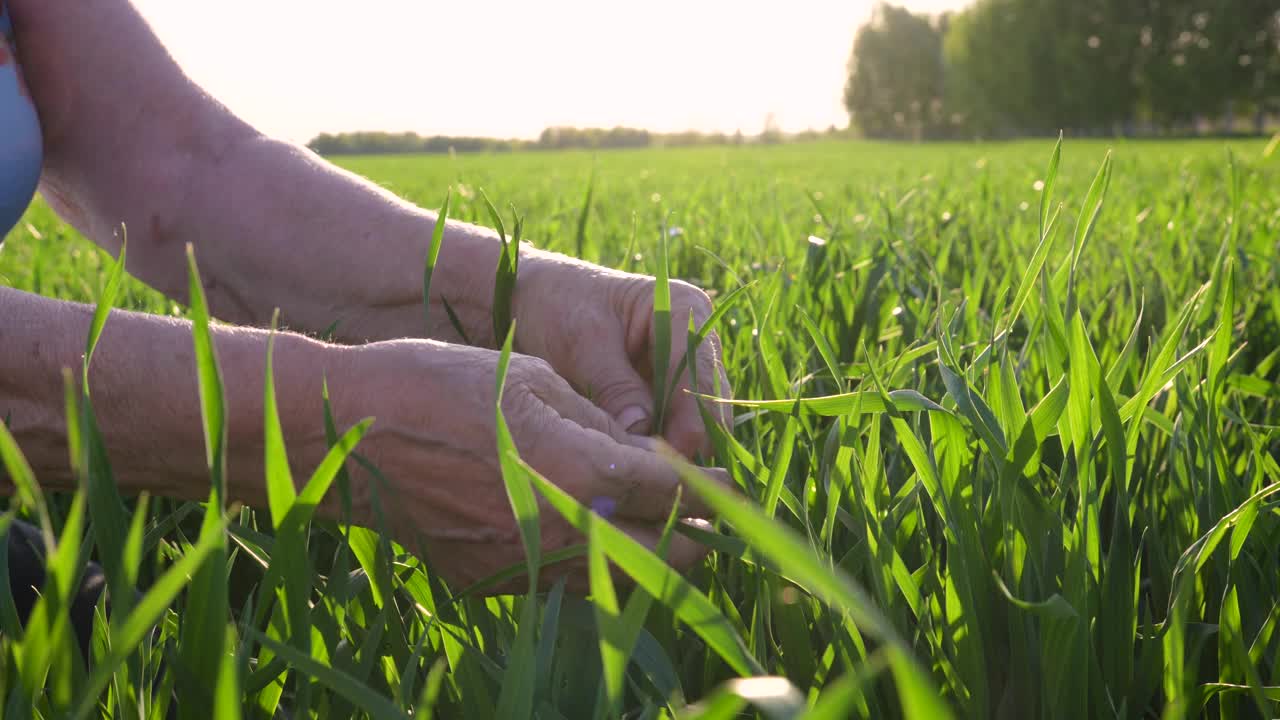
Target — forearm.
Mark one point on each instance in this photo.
(145, 396)
(101, 82)
(276, 226)
(132, 142)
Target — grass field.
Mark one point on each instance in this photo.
(1016, 468)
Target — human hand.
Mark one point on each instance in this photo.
(595, 327)
(434, 440)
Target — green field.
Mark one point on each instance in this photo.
(1009, 477)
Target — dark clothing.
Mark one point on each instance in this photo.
(26, 581)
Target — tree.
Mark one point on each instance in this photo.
(1040, 66)
(1037, 66)
(1263, 57)
(1247, 36)
(895, 85)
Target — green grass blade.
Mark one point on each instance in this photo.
(1032, 272)
(840, 699)
(518, 682)
(1236, 196)
(524, 504)
(580, 236)
(226, 694)
(106, 302)
(128, 633)
(1220, 350)
(661, 332)
(433, 256)
(431, 691)
(657, 578)
(93, 470)
(24, 481)
(781, 463)
(1089, 213)
(455, 322)
(548, 635)
(280, 488)
(859, 401)
(722, 308)
(504, 286)
(204, 629)
(212, 402)
(918, 694)
(825, 350)
(604, 604)
(1050, 178)
(47, 649)
(341, 683)
(495, 216)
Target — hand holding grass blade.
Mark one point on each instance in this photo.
(599, 330)
(435, 442)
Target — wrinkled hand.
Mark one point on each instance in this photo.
(434, 440)
(595, 327)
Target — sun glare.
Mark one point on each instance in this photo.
(511, 69)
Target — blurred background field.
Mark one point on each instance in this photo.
(1008, 421)
(1039, 542)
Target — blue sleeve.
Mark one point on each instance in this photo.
(21, 152)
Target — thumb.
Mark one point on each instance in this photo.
(612, 383)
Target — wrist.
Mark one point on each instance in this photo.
(386, 302)
(146, 397)
(301, 368)
(550, 285)
(432, 407)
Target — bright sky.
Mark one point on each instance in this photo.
(509, 68)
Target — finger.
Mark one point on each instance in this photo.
(622, 469)
(641, 484)
(582, 412)
(683, 555)
(604, 373)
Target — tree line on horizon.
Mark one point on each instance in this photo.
(555, 138)
(1007, 68)
(997, 69)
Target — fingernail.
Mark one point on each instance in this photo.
(604, 507)
(634, 418)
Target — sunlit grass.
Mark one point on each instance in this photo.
(1006, 444)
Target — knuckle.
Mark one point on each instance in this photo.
(609, 392)
(617, 476)
(531, 445)
(529, 381)
(693, 297)
(519, 398)
(609, 470)
(535, 369)
(687, 440)
(632, 291)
